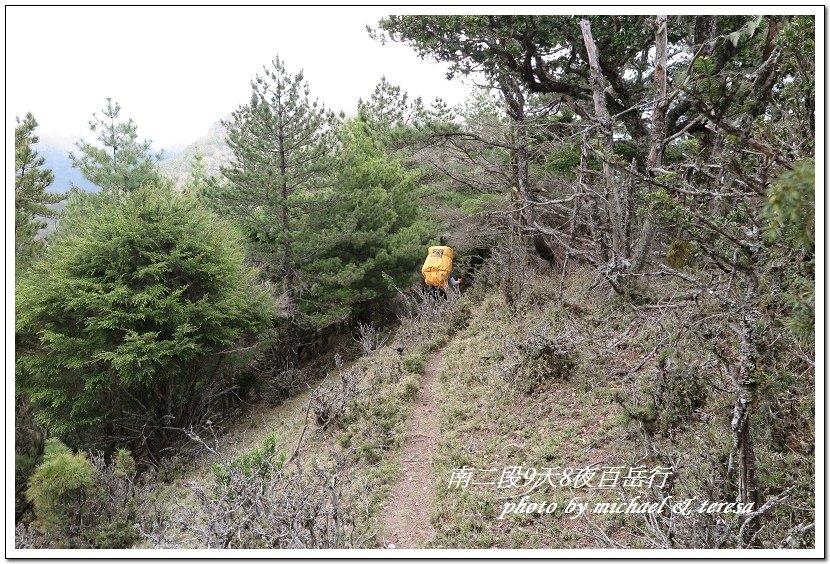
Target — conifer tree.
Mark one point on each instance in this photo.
(119, 162)
(197, 180)
(30, 197)
(373, 230)
(389, 107)
(126, 328)
(282, 142)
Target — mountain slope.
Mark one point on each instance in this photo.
(213, 148)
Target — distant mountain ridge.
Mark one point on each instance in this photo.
(214, 150)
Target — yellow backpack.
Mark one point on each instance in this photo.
(437, 267)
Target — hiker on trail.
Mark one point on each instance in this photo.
(437, 271)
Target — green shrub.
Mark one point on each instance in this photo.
(679, 253)
(260, 462)
(124, 464)
(538, 358)
(415, 362)
(83, 502)
(59, 484)
(126, 321)
(410, 386)
(117, 533)
(671, 395)
(679, 392)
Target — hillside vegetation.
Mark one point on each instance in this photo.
(245, 356)
(570, 379)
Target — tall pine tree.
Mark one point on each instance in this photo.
(30, 197)
(283, 143)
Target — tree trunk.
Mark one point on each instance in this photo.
(658, 133)
(598, 220)
(515, 106)
(745, 387)
(612, 194)
(286, 244)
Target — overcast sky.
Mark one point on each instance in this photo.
(177, 70)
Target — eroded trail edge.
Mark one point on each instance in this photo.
(406, 518)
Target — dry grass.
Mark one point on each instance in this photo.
(626, 402)
(367, 436)
(490, 422)
(623, 361)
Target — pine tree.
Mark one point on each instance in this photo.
(373, 230)
(282, 142)
(120, 162)
(197, 180)
(59, 485)
(389, 107)
(30, 197)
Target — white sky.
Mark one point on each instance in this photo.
(177, 70)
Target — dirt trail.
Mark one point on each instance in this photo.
(405, 521)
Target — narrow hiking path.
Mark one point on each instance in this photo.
(405, 521)
(410, 394)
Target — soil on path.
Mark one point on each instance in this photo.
(405, 521)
